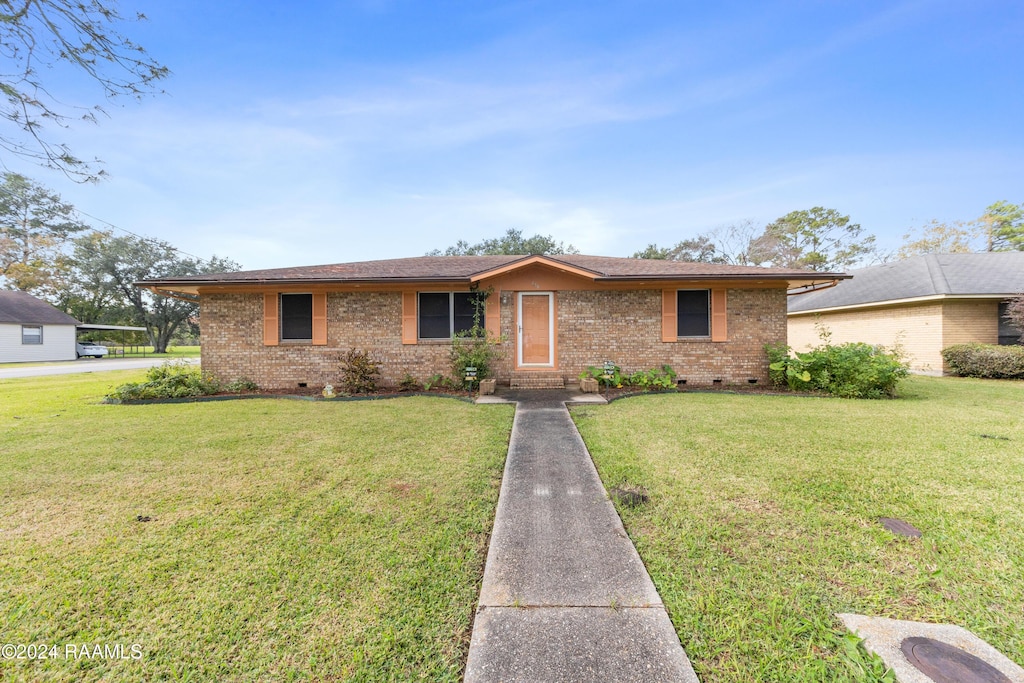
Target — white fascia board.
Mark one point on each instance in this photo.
(898, 302)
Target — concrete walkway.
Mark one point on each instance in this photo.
(565, 596)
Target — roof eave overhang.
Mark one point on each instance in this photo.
(190, 288)
(900, 302)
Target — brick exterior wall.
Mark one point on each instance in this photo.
(625, 327)
(593, 326)
(922, 330)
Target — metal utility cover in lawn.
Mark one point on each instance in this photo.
(887, 638)
(944, 663)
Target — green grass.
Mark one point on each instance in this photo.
(289, 540)
(763, 518)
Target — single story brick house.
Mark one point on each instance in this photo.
(924, 303)
(33, 330)
(555, 315)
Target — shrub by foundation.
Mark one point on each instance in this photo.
(985, 360)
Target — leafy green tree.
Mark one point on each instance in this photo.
(818, 238)
(727, 244)
(1004, 226)
(37, 38)
(110, 266)
(512, 242)
(35, 227)
(936, 237)
(653, 252)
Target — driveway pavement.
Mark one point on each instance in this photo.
(565, 596)
(83, 365)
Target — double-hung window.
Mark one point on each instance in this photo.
(296, 317)
(31, 334)
(693, 313)
(442, 315)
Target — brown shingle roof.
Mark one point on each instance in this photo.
(464, 268)
(21, 307)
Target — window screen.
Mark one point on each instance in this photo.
(296, 316)
(444, 314)
(464, 309)
(31, 334)
(435, 316)
(693, 309)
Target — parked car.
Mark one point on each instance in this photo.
(90, 349)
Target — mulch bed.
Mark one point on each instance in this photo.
(299, 394)
(752, 389)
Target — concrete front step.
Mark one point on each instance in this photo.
(537, 380)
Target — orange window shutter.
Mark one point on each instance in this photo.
(492, 315)
(320, 319)
(719, 316)
(409, 317)
(669, 328)
(270, 323)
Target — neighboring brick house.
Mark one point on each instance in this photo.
(924, 304)
(555, 316)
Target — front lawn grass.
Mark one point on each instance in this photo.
(762, 520)
(288, 540)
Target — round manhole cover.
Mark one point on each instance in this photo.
(944, 663)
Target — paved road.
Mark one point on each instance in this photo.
(83, 365)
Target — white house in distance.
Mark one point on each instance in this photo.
(33, 330)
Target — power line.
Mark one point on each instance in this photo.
(151, 240)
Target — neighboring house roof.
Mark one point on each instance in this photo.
(468, 269)
(21, 307)
(932, 276)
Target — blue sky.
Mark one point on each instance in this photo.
(321, 132)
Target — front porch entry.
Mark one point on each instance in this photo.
(535, 337)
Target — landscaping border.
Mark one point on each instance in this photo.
(289, 397)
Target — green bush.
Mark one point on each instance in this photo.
(655, 378)
(474, 348)
(615, 377)
(240, 386)
(173, 379)
(985, 360)
(851, 370)
(409, 383)
(359, 372)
